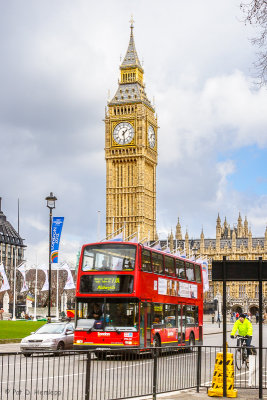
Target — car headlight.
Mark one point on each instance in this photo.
(50, 341)
(24, 341)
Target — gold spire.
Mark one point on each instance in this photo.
(178, 233)
(132, 23)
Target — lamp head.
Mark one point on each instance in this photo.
(51, 201)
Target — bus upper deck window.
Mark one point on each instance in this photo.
(146, 261)
(157, 261)
(198, 273)
(180, 269)
(169, 265)
(190, 275)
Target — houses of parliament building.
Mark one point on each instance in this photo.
(236, 243)
(131, 153)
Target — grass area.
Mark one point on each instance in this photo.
(18, 329)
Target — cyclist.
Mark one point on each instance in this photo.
(244, 328)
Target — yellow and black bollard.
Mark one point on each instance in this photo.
(216, 389)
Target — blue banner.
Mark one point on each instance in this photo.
(55, 237)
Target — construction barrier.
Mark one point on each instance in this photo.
(216, 389)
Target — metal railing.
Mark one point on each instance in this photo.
(116, 374)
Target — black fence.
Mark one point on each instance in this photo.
(117, 374)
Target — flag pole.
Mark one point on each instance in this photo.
(35, 294)
(14, 290)
(57, 314)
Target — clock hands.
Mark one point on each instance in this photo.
(123, 133)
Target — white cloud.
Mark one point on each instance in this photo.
(58, 61)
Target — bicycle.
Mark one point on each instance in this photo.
(241, 353)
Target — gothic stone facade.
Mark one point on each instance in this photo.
(235, 243)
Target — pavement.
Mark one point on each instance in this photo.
(248, 394)
(211, 329)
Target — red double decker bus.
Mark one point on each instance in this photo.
(132, 296)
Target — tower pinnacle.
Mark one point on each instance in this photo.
(131, 58)
(132, 23)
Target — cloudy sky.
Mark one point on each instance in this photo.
(60, 58)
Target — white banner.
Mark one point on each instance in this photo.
(69, 284)
(43, 267)
(22, 270)
(5, 284)
(117, 238)
(205, 273)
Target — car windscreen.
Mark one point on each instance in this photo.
(110, 315)
(51, 328)
(109, 257)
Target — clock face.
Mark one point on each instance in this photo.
(151, 137)
(123, 133)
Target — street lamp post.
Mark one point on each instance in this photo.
(51, 203)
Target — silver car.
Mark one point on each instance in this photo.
(51, 336)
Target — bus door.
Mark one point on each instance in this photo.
(179, 324)
(183, 323)
(145, 324)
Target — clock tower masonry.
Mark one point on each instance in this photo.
(131, 153)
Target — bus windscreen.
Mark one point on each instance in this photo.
(109, 257)
(106, 284)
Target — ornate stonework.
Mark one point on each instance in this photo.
(131, 153)
(235, 243)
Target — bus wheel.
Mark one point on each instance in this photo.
(156, 345)
(191, 342)
(101, 355)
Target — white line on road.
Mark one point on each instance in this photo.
(53, 377)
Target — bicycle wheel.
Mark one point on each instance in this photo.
(238, 359)
(246, 358)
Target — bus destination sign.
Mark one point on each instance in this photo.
(106, 284)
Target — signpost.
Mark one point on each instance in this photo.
(231, 271)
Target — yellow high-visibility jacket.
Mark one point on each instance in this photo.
(243, 329)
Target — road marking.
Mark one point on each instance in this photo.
(53, 377)
(128, 366)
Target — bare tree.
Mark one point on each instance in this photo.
(256, 14)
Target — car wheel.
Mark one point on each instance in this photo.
(27, 354)
(60, 346)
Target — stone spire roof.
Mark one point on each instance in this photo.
(131, 87)
(8, 234)
(131, 58)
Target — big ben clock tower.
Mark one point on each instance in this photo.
(131, 153)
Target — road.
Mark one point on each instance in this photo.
(217, 339)
(64, 377)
